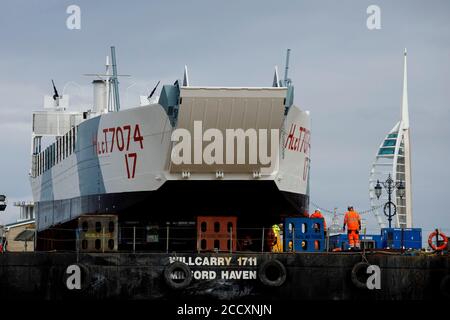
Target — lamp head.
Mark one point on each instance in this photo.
(378, 189)
(401, 190)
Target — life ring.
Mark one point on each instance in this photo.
(433, 246)
(272, 273)
(356, 275)
(76, 277)
(445, 286)
(172, 281)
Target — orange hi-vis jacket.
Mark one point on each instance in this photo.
(352, 220)
(317, 214)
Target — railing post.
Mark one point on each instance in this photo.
(231, 239)
(262, 240)
(134, 239)
(293, 239)
(77, 232)
(437, 237)
(35, 239)
(77, 239)
(364, 243)
(402, 241)
(167, 240)
(103, 240)
(119, 235)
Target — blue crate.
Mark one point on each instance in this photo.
(341, 240)
(374, 237)
(338, 241)
(304, 227)
(392, 238)
(306, 234)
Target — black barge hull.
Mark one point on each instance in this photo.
(309, 276)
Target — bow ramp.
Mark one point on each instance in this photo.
(233, 108)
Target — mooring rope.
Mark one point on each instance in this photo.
(341, 214)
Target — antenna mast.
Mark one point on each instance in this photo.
(115, 80)
(287, 81)
(108, 82)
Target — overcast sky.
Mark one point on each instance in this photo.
(349, 77)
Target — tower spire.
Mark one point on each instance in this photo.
(399, 157)
(405, 112)
(407, 222)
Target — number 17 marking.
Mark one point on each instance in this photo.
(134, 156)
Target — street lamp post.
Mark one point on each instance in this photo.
(390, 186)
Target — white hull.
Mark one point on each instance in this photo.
(127, 153)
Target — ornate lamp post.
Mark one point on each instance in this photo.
(390, 209)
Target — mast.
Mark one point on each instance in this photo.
(108, 85)
(288, 84)
(286, 79)
(115, 80)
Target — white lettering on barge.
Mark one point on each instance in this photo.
(230, 263)
(238, 274)
(203, 261)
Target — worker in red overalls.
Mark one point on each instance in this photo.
(318, 214)
(353, 222)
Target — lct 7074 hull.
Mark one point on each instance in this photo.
(122, 162)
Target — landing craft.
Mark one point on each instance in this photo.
(112, 161)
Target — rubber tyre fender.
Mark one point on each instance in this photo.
(171, 268)
(355, 271)
(445, 286)
(272, 264)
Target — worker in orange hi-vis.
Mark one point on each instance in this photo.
(353, 222)
(318, 214)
